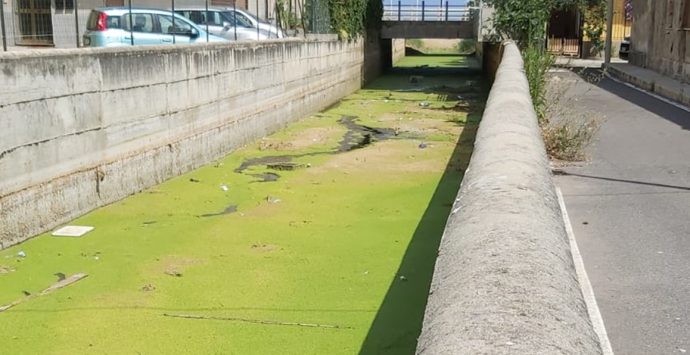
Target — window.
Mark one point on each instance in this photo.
(180, 27)
(686, 15)
(62, 5)
(242, 20)
(214, 18)
(142, 23)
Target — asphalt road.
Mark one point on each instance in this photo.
(630, 210)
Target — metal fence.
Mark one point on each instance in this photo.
(425, 11)
(63, 23)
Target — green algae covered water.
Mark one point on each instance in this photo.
(319, 239)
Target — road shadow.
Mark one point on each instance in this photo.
(398, 322)
(627, 181)
(635, 97)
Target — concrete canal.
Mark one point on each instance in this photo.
(319, 239)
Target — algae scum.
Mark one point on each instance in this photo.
(319, 239)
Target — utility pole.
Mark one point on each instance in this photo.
(609, 32)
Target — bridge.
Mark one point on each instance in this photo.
(430, 21)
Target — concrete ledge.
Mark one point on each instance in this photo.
(651, 81)
(504, 281)
(428, 29)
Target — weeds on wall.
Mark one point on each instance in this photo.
(537, 64)
(567, 129)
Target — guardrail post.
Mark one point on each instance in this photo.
(76, 20)
(422, 10)
(205, 16)
(399, 10)
(2, 25)
(131, 25)
(446, 11)
(172, 13)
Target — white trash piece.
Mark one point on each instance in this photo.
(72, 231)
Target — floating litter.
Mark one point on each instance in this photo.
(72, 231)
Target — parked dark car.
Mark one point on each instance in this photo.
(624, 51)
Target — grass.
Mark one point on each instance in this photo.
(438, 61)
(349, 241)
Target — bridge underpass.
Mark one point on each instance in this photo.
(453, 24)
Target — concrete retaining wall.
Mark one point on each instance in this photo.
(504, 281)
(398, 45)
(83, 128)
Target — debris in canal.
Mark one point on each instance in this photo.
(173, 272)
(72, 231)
(257, 321)
(56, 286)
(228, 210)
(287, 166)
(273, 200)
(266, 177)
(415, 79)
(359, 136)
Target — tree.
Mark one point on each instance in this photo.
(524, 21)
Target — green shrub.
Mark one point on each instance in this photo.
(537, 64)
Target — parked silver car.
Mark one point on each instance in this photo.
(230, 25)
(245, 18)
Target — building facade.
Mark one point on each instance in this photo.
(661, 37)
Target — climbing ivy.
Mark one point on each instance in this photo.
(350, 18)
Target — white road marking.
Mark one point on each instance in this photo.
(656, 96)
(585, 285)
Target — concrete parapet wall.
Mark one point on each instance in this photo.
(504, 281)
(83, 128)
(428, 29)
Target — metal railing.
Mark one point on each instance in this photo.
(34, 24)
(432, 10)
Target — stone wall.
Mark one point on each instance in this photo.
(661, 37)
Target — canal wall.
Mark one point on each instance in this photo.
(504, 281)
(82, 128)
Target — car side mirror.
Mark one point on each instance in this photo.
(226, 25)
(193, 33)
